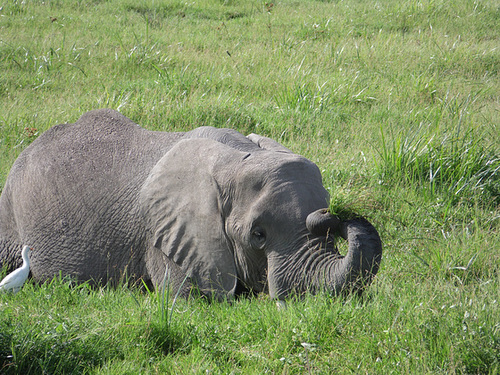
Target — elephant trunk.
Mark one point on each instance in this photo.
(319, 266)
(356, 270)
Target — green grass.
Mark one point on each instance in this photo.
(396, 101)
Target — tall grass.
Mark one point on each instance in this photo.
(396, 102)
(454, 162)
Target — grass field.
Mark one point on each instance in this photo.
(398, 102)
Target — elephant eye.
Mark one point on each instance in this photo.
(258, 237)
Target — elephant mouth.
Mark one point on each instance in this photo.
(250, 274)
(242, 290)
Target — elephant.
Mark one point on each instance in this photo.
(104, 200)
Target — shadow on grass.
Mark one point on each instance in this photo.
(40, 353)
(163, 340)
(27, 349)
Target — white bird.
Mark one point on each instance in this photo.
(14, 281)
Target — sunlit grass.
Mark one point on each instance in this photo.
(455, 162)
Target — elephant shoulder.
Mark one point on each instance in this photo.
(101, 119)
(94, 124)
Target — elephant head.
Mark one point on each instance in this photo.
(233, 211)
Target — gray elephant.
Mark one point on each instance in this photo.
(104, 200)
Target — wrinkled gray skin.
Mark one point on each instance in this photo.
(104, 199)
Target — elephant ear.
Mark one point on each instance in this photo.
(268, 143)
(183, 209)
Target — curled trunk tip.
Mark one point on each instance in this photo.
(322, 222)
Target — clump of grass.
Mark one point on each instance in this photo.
(345, 205)
(165, 298)
(454, 163)
(350, 195)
